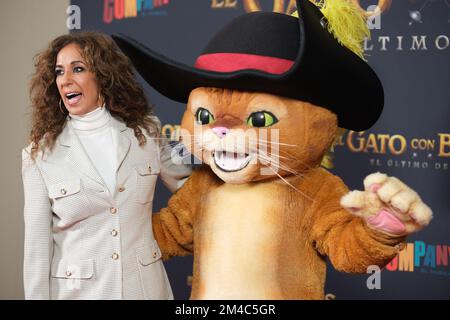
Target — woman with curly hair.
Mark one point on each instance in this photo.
(89, 176)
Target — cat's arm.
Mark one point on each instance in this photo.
(353, 242)
(173, 225)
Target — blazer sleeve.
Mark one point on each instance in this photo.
(174, 172)
(38, 246)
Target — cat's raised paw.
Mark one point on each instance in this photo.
(388, 205)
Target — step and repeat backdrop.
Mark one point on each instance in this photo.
(409, 49)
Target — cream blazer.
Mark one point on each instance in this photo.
(81, 241)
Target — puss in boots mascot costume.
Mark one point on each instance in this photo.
(264, 102)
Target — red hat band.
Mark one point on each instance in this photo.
(229, 62)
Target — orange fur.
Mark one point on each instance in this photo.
(259, 237)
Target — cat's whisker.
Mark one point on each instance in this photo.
(282, 154)
(263, 148)
(295, 173)
(286, 167)
(163, 136)
(286, 153)
(279, 143)
(289, 184)
(287, 158)
(188, 154)
(283, 167)
(259, 152)
(187, 146)
(296, 159)
(277, 155)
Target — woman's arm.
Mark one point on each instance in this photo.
(174, 172)
(38, 248)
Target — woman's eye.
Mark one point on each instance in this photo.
(58, 72)
(203, 116)
(261, 119)
(78, 69)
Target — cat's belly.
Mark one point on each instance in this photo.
(240, 244)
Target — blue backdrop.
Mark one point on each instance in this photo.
(411, 54)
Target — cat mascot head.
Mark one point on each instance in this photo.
(266, 96)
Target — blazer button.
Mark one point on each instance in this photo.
(63, 191)
(68, 273)
(114, 232)
(113, 210)
(121, 189)
(154, 254)
(115, 256)
(150, 169)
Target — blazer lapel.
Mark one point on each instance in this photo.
(77, 156)
(123, 143)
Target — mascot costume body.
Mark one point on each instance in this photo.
(264, 102)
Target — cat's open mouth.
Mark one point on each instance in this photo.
(230, 161)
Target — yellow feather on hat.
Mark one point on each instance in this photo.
(346, 22)
(348, 25)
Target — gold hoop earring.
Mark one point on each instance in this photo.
(100, 98)
(60, 107)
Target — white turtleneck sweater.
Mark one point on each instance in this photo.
(95, 132)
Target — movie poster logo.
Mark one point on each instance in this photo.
(382, 43)
(125, 9)
(422, 257)
(280, 6)
(416, 15)
(289, 6)
(396, 150)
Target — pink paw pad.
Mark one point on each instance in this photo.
(374, 187)
(386, 221)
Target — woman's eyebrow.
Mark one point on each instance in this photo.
(73, 62)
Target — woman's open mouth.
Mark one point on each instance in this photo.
(73, 98)
(231, 161)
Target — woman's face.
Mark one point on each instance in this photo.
(77, 85)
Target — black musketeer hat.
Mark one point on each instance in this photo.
(275, 53)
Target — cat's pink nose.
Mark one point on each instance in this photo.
(220, 131)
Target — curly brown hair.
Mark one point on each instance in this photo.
(122, 94)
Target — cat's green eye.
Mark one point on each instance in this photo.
(261, 119)
(203, 116)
